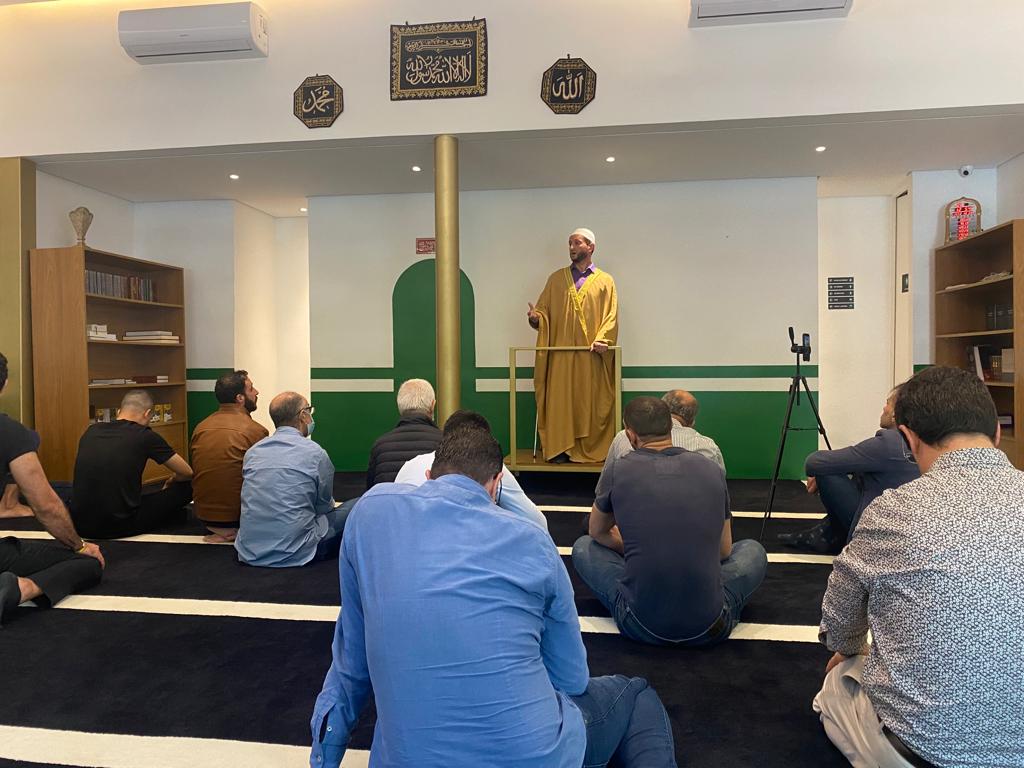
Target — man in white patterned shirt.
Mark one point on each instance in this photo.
(683, 407)
(933, 571)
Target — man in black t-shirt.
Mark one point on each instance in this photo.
(660, 554)
(107, 499)
(45, 572)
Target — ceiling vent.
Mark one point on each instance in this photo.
(706, 13)
(194, 33)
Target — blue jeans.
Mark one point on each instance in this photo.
(327, 548)
(840, 495)
(602, 569)
(625, 719)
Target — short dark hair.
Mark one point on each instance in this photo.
(940, 402)
(229, 386)
(466, 420)
(3, 370)
(648, 417)
(285, 409)
(137, 400)
(470, 452)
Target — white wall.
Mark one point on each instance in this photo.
(652, 68)
(930, 192)
(708, 273)
(855, 238)
(256, 332)
(113, 218)
(199, 236)
(291, 311)
(1010, 185)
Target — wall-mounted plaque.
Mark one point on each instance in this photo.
(568, 86)
(447, 60)
(840, 293)
(425, 245)
(318, 101)
(963, 219)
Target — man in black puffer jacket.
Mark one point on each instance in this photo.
(415, 434)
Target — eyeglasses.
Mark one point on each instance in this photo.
(497, 496)
(308, 409)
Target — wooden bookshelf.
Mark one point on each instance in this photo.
(65, 360)
(964, 291)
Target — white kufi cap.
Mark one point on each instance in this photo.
(585, 233)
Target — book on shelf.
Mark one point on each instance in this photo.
(1009, 368)
(979, 360)
(108, 382)
(119, 286)
(155, 339)
(1005, 419)
(150, 379)
(102, 336)
(148, 333)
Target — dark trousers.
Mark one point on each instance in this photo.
(840, 495)
(159, 508)
(56, 570)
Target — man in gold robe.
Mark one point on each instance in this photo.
(576, 390)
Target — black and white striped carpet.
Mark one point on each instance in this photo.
(183, 657)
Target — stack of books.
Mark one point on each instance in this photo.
(159, 337)
(157, 379)
(97, 332)
(108, 382)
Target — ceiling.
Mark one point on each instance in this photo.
(279, 178)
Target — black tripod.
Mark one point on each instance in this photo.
(802, 350)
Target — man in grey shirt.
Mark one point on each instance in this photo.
(933, 572)
(683, 406)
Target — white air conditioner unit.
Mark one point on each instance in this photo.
(706, 13)
(194, 33)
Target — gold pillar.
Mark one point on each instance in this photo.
(446, 265)
(17, 236)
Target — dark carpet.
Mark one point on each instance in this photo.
(742, 703)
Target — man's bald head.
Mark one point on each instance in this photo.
(682, 405)
(286, 408)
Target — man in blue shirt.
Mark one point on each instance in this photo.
(288, 510)
(459, 616)
(848, 479)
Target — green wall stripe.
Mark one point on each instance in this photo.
(918, 367)
(205, 374)
(352, 373)
(629, 372)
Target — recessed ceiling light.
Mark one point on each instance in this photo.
(609, 159)
(416, 169)
(303, 210)
(233, 176)
(820, 149)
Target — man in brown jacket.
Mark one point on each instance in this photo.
(218, 446)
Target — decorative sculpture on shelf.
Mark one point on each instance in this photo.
(81, 218)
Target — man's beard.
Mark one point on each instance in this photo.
(250, 405)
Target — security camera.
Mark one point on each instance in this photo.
(966, 170)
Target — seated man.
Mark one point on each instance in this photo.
(933, 574)
(660, 554)
(511, 496)
(683, 406)
(107, 498)
(876, 464)
(460, 617)
(415, 434)
(288, 511)
(45, 572)
(218, 446)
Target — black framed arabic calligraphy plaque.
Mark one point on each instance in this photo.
(447, 60)
(318, 101)
(568, 86)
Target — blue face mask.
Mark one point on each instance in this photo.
(309, 430)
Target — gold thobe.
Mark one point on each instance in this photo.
(576, 390)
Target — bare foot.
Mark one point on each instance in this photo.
(18, 510)
(216, 538)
